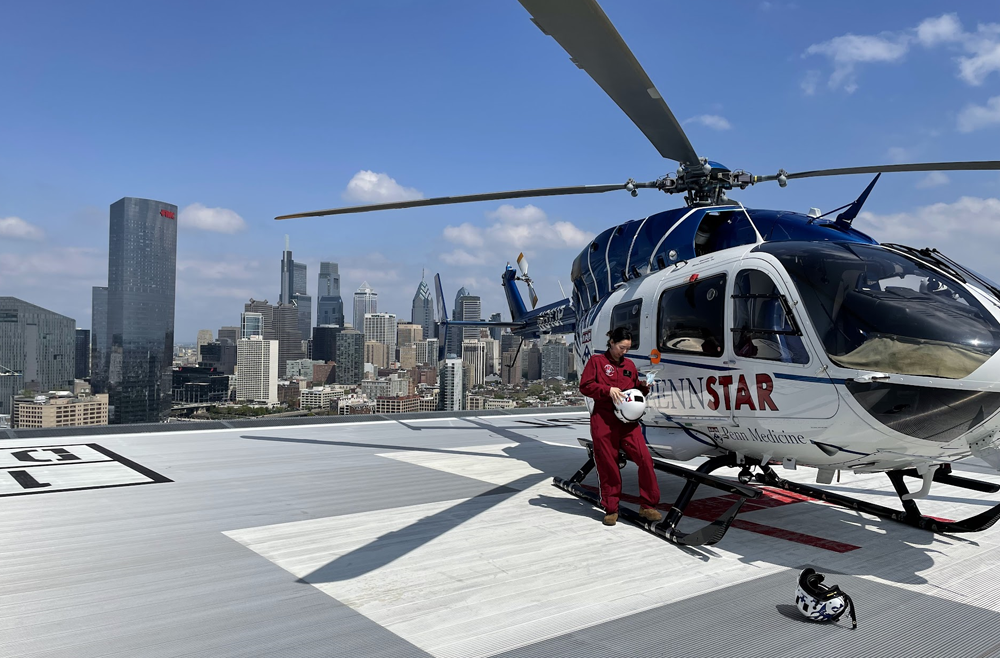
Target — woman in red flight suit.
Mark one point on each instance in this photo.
(604, 378)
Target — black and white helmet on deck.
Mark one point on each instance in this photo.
(820, 602)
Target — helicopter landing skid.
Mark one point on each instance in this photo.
(910, 514)
(667, 527)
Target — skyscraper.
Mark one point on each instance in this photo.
(533, 358)
(142, 270)
(423, 309)
(467, 307)
(100, 344)
(365, 301)
(294, 291)
(299, 285)
(257, 370)
(287, 275)
(408, 334)
(329, 305)
(204, 337)
(350, 356)
(82, 354)
(252, 324)
(451, 391)
(39, 344)
(496, 331)
(381, 328)
(474, 358)
(280, 323)
(325, 343)
(555, 358)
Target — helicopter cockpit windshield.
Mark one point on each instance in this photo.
(878, 310)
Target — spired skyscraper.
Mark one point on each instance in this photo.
(329, 305)
(365, 301)
(423, 309)
(142, 271)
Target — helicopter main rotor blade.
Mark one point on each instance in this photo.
(979, 165)
(469, 198)
(584, 31)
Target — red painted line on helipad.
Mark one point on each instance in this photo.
(709, 509)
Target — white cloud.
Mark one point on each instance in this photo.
(464, 234)
(219, 220)
(76, 264)
(949, 224)
(982, 49)
(369, 187)
(973, 117)
(943, 29)
(514, 229)
(461, 257)
(933, 179)
(713, 121)
(221, 268)
(849, 50)
(810, 82)
(898, 154)
(18, 229)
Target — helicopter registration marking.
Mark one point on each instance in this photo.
(729, 392)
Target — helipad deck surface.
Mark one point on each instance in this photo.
(444, 537)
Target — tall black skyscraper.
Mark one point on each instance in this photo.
(329, 304)
(82, 353)
(100, 344)
(142, 271)
(325, 343)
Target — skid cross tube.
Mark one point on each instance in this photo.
(667, 527)
(910, 514)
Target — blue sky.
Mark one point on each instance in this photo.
(238, 112)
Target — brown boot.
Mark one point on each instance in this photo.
(650, 514)
(611, 519)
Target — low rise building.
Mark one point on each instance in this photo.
(319, 397)
(397, 405)
(59, 409)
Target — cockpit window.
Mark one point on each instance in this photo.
(763, 326)
(878, 310)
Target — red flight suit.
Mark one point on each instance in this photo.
(600, 375)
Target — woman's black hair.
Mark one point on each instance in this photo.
(619, 334)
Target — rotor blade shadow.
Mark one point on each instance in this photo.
(398, 543)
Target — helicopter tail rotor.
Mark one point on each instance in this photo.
(522, 267)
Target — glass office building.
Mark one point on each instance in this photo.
(142, 270)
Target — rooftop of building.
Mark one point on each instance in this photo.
(441, 535)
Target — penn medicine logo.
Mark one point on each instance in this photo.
(609, 370)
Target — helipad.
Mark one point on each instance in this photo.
(445, 537)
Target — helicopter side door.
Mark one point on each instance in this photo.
(687, 318)
(777, 375)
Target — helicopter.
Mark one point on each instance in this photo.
(769, 338)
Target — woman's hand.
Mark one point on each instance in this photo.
(616, 395)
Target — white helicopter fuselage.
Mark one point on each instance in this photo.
(769, 400)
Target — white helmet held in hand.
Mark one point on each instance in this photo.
(632, 406)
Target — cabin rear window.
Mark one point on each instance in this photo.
(628, 315)
(691, 318)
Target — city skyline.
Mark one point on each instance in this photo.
(231, 166)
